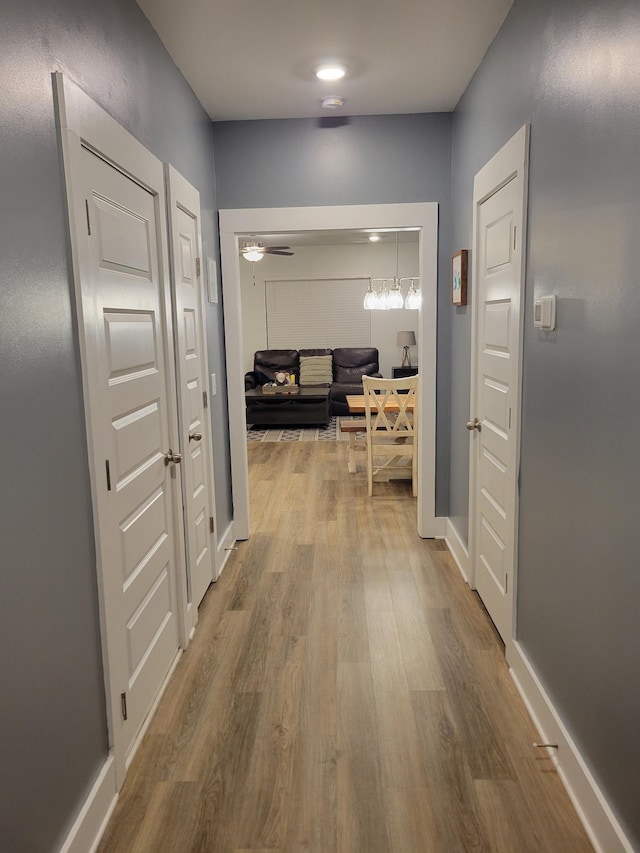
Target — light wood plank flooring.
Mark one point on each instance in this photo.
(345, 691)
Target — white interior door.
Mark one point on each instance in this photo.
(192, 377)
(132, 429)
(494, 424)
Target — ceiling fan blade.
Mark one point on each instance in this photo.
(269, 248)
(276, 252)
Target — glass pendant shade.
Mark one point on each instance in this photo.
(414, 298)
(384, 298)
(395, 295)
(370, 298)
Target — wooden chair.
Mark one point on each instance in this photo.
(354, 430)
(391, 414)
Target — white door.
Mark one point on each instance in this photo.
(131, 415)
(496, 396)
(192, 377)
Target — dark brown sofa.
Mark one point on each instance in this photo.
(350, 364)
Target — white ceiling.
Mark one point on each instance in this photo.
(252, 59)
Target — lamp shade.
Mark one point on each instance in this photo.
(406, 339)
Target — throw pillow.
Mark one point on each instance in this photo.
(316, 370)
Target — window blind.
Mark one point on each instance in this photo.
(317, 313)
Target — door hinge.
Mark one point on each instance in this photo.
(205, 400)
(515, 229)
(198, 267)
(509, 417)
(506, 584)
(123, 703)
(211, 524)
(86, 205)
(107, 466)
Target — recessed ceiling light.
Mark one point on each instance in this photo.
(331, 72)
(374, 238)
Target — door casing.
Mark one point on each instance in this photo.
(244, 222)
(511, 160)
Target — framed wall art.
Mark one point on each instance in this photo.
(459, 277)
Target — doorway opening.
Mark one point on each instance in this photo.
(234, 226)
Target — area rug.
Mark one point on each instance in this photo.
(330, 433)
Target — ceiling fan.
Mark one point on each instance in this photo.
(252, 250)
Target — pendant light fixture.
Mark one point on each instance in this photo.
(395, 294)
(390, 294)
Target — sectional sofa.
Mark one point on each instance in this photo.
(347, 367)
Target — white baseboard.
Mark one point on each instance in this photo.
(86, 832)
(603, 828)
(458, 549)
(225, 549)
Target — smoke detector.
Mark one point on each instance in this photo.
(332, 102)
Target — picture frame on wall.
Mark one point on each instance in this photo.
(459, 277)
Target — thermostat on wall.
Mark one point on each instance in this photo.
(544, 313)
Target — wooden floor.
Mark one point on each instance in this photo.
(344, 691)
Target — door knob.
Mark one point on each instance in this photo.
(195, 436)
(474, 424)
(170, 456)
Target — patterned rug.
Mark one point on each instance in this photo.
(331, 433)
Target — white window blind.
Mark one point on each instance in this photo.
(319, 313)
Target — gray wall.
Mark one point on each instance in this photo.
(54, 737)
(572, 70)
(360, 160)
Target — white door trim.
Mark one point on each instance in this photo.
(511, 160)
(82, 122)
(288, 219)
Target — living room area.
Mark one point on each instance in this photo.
(313, 298)
(309, 340)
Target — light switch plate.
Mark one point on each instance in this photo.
(544, 313)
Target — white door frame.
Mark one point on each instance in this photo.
(510, 161)
(82, 122)
(287, 219)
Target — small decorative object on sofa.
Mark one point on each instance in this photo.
(341, 369)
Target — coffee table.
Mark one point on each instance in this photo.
(309, 407)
